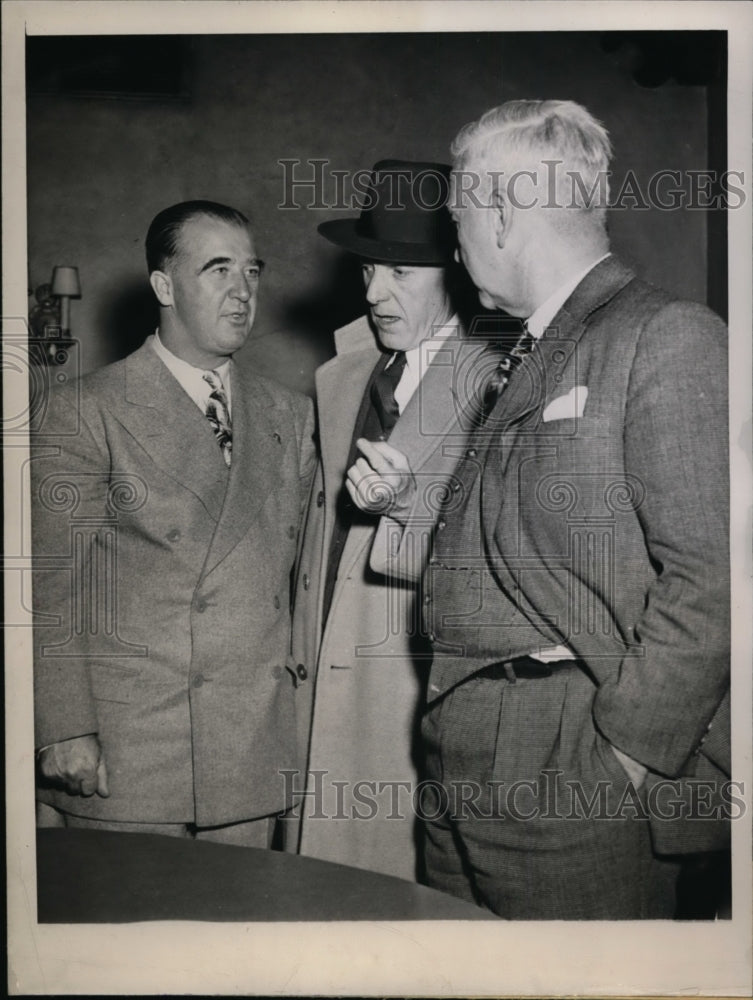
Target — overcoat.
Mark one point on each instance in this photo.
(162, 590)
(370, 655)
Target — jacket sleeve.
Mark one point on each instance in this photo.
(658, 707)
(69, 490)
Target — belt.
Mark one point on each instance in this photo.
(525, 668)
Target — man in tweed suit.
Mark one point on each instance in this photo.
(578, 595)
(167, 491)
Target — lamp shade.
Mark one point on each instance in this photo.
(65, 282)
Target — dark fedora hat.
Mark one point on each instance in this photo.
(404, 219)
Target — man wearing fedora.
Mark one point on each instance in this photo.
(392, 377)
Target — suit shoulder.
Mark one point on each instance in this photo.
(85, 396)
(641, 310)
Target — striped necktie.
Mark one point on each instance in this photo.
(508, 362)
(218, 414)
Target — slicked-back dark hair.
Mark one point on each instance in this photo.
(164, 232)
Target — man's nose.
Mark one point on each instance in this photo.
(375, 289)
(241, 288)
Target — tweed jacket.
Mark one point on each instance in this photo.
(600, 493)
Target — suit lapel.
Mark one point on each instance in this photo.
(540, 376)
(172, 430)
(259, 441)
(340, 387)
(436, 414)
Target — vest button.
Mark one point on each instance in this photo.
(471, 453)
(173, 536)
(197, 681)
(320, 498)
(276, 601)
(441, 524)
(201, 606)
(277, 671)
(291, 531)
(306, 581)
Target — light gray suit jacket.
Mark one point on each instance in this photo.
(162, 590)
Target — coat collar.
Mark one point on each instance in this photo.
(540, 374)
(340, 385)
(260, 437)
(178, 438)
(172, 430)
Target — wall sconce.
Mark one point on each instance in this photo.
(50, 318)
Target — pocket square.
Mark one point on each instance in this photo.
(572, 404)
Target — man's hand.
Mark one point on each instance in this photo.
(635, 771)
(78, 765)
(381, 482)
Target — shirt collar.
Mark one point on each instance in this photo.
(540, 319)
(417, 359)
(190, 378)
(178, 365)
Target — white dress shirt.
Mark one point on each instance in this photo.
(190, 377)
(418, 359)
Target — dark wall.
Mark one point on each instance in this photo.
(99, 167)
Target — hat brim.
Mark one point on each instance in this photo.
(342, 232)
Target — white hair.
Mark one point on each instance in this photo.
(573, 146)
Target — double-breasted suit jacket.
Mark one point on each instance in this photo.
(162, 590)
(600, 490)
(370, 655)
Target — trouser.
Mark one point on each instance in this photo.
(249, 833)
(527, 810)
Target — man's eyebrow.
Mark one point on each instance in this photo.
(251, 262)
(214, 261)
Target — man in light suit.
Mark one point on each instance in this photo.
(392, 377)
(167, 491)
(578, 596)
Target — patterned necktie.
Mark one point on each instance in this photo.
(383, 392)
(501, 375)
(218, 414)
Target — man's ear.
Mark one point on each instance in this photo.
(500, 217)
(163, 287)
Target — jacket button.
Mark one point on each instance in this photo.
(291, 531)
(197, 681)
(432, 636)
(441, 524)
(427, 598)
(320, 498)
(201, 606)
(173, 536)
(471, 453)
(306, 581)
(302, 671)
(276, 601)
(456, 486)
